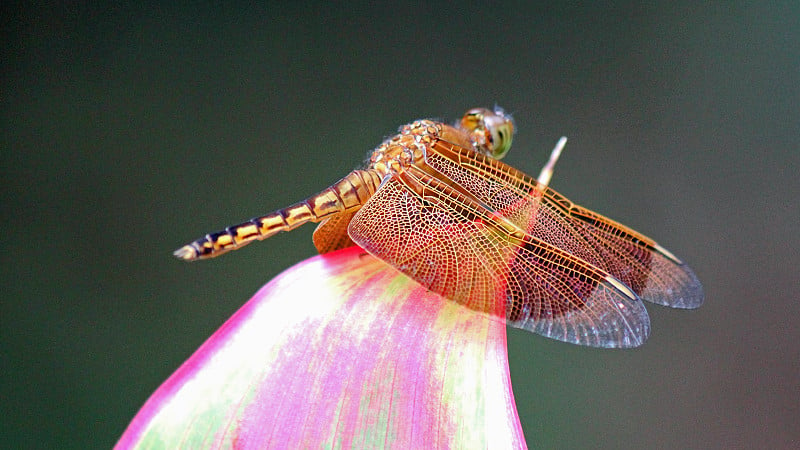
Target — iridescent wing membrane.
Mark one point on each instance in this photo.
(488, 236)
(650, 270)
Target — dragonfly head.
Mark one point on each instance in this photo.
(491, 131)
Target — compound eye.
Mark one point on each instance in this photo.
(491, 131)
(501, 130)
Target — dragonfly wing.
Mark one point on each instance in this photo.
(556, 295)
(651, 270)
(331, 233)
(637, 261)
(436, 246)
(446, 242)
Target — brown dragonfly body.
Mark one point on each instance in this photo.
(436, 203)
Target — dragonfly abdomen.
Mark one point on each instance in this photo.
(347, 194)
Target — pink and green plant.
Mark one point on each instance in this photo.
(339, 351)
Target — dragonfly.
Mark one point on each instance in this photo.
(435, 202)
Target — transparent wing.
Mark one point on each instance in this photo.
(331, 233)
(636, 260)
(439, 236)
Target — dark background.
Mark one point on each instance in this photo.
(128, 131)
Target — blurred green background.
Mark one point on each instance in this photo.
(130, 130)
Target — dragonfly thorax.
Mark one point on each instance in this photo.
(482, 130)
(405, 148)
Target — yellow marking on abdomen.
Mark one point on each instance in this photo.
(350, 192)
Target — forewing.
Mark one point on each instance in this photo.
(448, 243)
(637, 261)
(654, 273)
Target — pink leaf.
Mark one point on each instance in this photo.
(340, 350)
